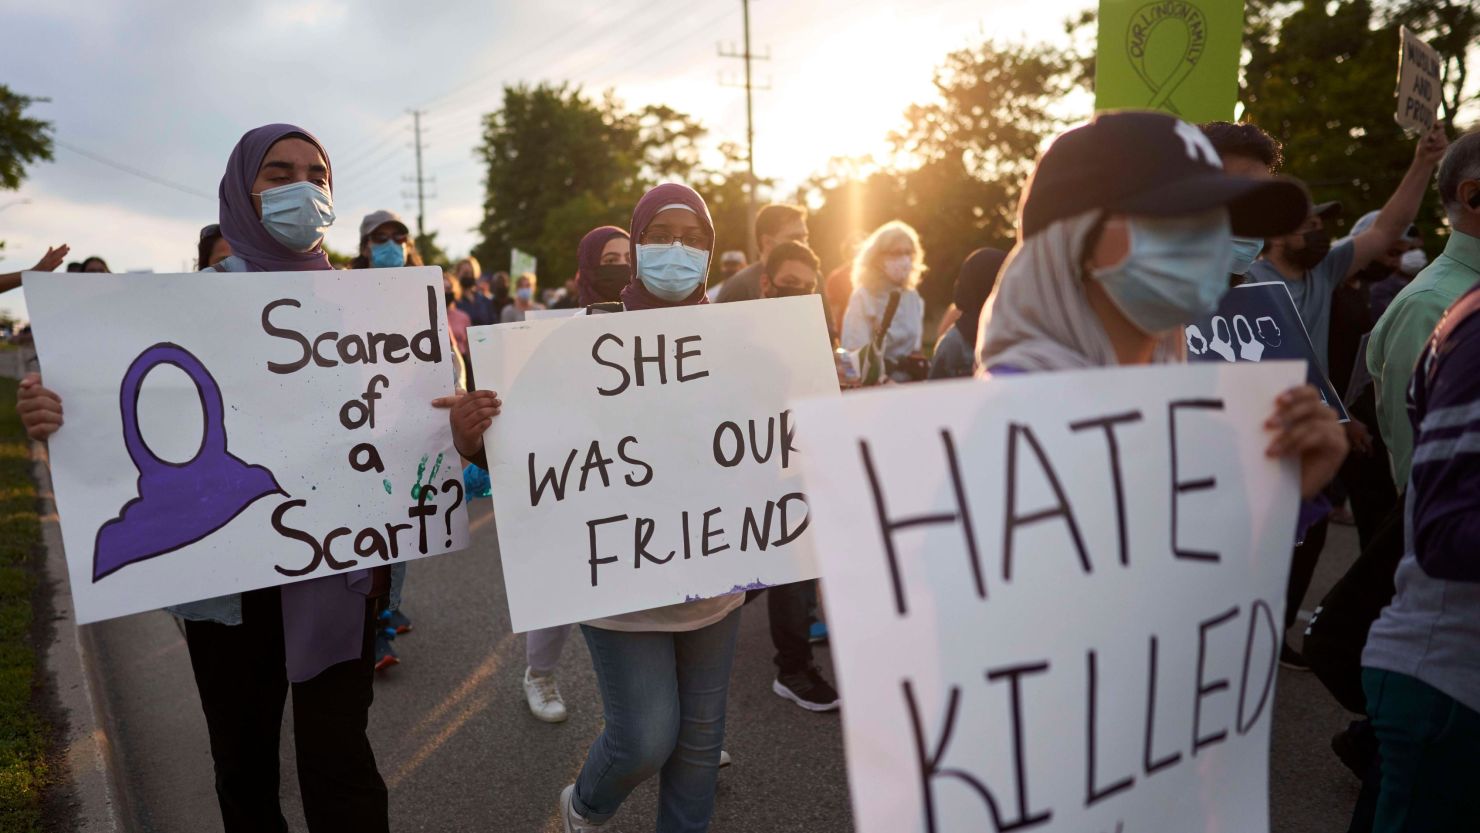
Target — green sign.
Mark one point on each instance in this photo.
(1178, 56)
(520, 263)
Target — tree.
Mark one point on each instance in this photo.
(23, 140)
(723, 188)
(958, 162)
(543, 146)
(431, 253)
(560, 163)
(1320, 79)
(1452, 27)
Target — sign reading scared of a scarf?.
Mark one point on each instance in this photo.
(1258, 322)
(1177, 56)
(1419, 87)
(1055, 600)
(649, 458)
(225, 432)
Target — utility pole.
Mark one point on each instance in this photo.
(750, 186)
(420, 180)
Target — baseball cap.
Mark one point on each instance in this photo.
(1154, 165)
(376, 219)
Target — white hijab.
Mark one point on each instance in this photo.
(1039, 318)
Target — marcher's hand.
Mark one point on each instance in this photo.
(1431, 147)
(40, 409)
(1305, 428)
(470, 415)
(1358, 435)
(52, 259)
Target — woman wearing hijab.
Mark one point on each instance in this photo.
(603, 270)
(1127, 231)
(664, 673)
(604, 265)
(955, 351)
(314, 637)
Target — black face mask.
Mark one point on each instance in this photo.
(1317, 246)
(468, 284)
(609, 279)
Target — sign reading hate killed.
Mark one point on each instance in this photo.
(1055, 600)
(648, 458)
(228, 432)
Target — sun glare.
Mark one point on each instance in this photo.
(860, 80)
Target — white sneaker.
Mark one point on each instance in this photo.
(724, 759)
(543, 696)
(573, 821)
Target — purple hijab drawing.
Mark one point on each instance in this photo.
(178, 503)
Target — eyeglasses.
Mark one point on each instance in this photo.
(381, 236)
(663, 238)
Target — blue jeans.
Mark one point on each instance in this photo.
(1430, 746)
(663, 697)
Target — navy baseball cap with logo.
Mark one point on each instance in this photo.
(1153, 165)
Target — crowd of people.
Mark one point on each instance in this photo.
(1130, 228)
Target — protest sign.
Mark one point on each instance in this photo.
(1419, 87)
(647, 458)
(1178, 56)
(520, 263)
(229, 432)
(1258, 322)
(1055, 600)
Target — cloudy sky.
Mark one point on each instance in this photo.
(165, 87)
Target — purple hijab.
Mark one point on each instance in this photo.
(636, 296)
(323, 618)
(588, 257)
(240, 224)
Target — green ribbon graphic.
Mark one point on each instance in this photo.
(1141, 33)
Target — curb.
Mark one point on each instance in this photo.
(85, 744)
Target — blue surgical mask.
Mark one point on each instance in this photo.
(672, 271)
(388, 254)
(1245, 251)
(297, 215)
(524, 294)
(1175, 273)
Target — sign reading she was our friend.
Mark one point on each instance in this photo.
(226, 432)
(1178, 56)
(1419, 88)
(649, 458)
(1055, 600)
(1258, 322)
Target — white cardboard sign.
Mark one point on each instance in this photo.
(1419, 88)
(225, 432)
(647, 458)
(545, 314)
(1056, 600)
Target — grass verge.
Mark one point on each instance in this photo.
(23, 731)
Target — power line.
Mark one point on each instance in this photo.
(421, 181)
(747, 56)
(130, 169)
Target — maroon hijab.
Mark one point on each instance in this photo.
(588, 257)
(240, 224)
(636, 296)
